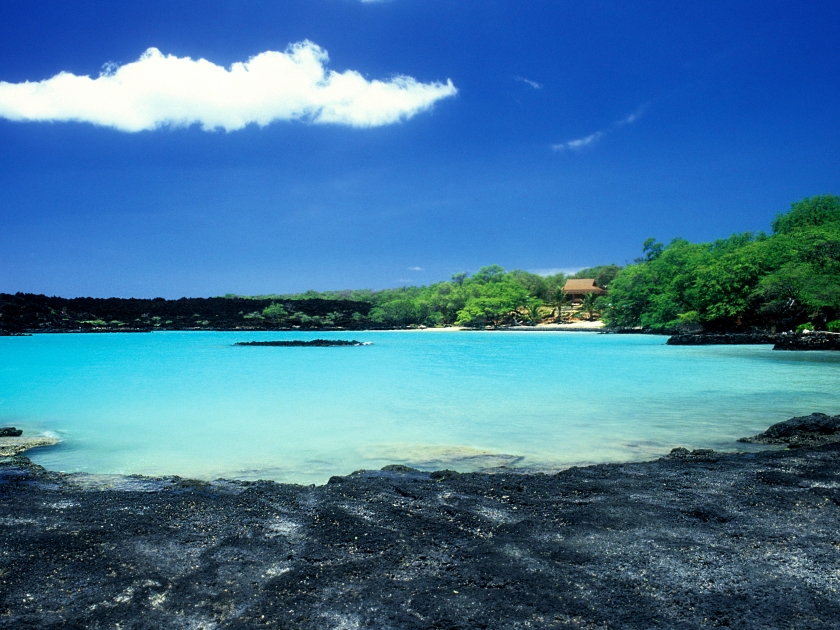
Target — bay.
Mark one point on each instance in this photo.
(195, 405)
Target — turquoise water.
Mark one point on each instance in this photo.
(190, 403)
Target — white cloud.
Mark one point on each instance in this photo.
(581, 143)
(533, 84)
(161, 90)
(416, 269)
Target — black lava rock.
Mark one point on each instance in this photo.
(808, 341)
(813, 430)
(10, 432)
(708, 339)
(318, 343)
(739, 541)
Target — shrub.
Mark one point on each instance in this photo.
(833, 326)
(805, 326)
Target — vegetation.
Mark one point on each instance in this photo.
(490, 297)
(780, 280)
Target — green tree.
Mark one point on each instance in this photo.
(810, 212)
(754, 279)
(589, 305)
(563, 302)
(602, 274)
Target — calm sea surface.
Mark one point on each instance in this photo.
(192, 404)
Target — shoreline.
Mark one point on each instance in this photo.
(596, 325)
(743, 540)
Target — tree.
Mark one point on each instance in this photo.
(651, 250)
(589, 305)
(534, 306)
(602, 274)
(458, 278)
(781, 280)
(810, 212)
(275, 311)
(563, 301)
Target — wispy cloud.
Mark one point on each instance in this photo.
(581, 143)
(161, 90)
(416, 269)
(533, 84)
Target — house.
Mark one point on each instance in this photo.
(577, 288)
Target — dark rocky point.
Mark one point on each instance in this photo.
(814, 430)
(808, 341)
(707, 339)
(10, 432)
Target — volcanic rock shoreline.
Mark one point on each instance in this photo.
(695, 539)
(781, 341)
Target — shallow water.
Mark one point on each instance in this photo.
(192, 404)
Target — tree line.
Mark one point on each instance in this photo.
(489, 297)
(785, 280)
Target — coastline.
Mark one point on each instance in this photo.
(691, 539)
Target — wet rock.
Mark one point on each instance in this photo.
(813, 430)
(11, 446)
(10, 432)
(808, 341)
(399, 468)
(706, 339)
(698, 454)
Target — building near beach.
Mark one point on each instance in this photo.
(577, 288)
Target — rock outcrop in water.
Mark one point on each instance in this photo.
(814, 430)
(10, 432)
(696, 539)
(781, 341)
(808, 341)
(317, 343)
(708, 339)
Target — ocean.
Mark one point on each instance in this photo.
(193, 404)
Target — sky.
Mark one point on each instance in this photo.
(184, 148)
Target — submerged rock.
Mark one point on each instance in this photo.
(813, 430)
(15, 445)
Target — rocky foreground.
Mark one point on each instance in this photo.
(693, 540)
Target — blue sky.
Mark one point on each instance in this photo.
(571, 131)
